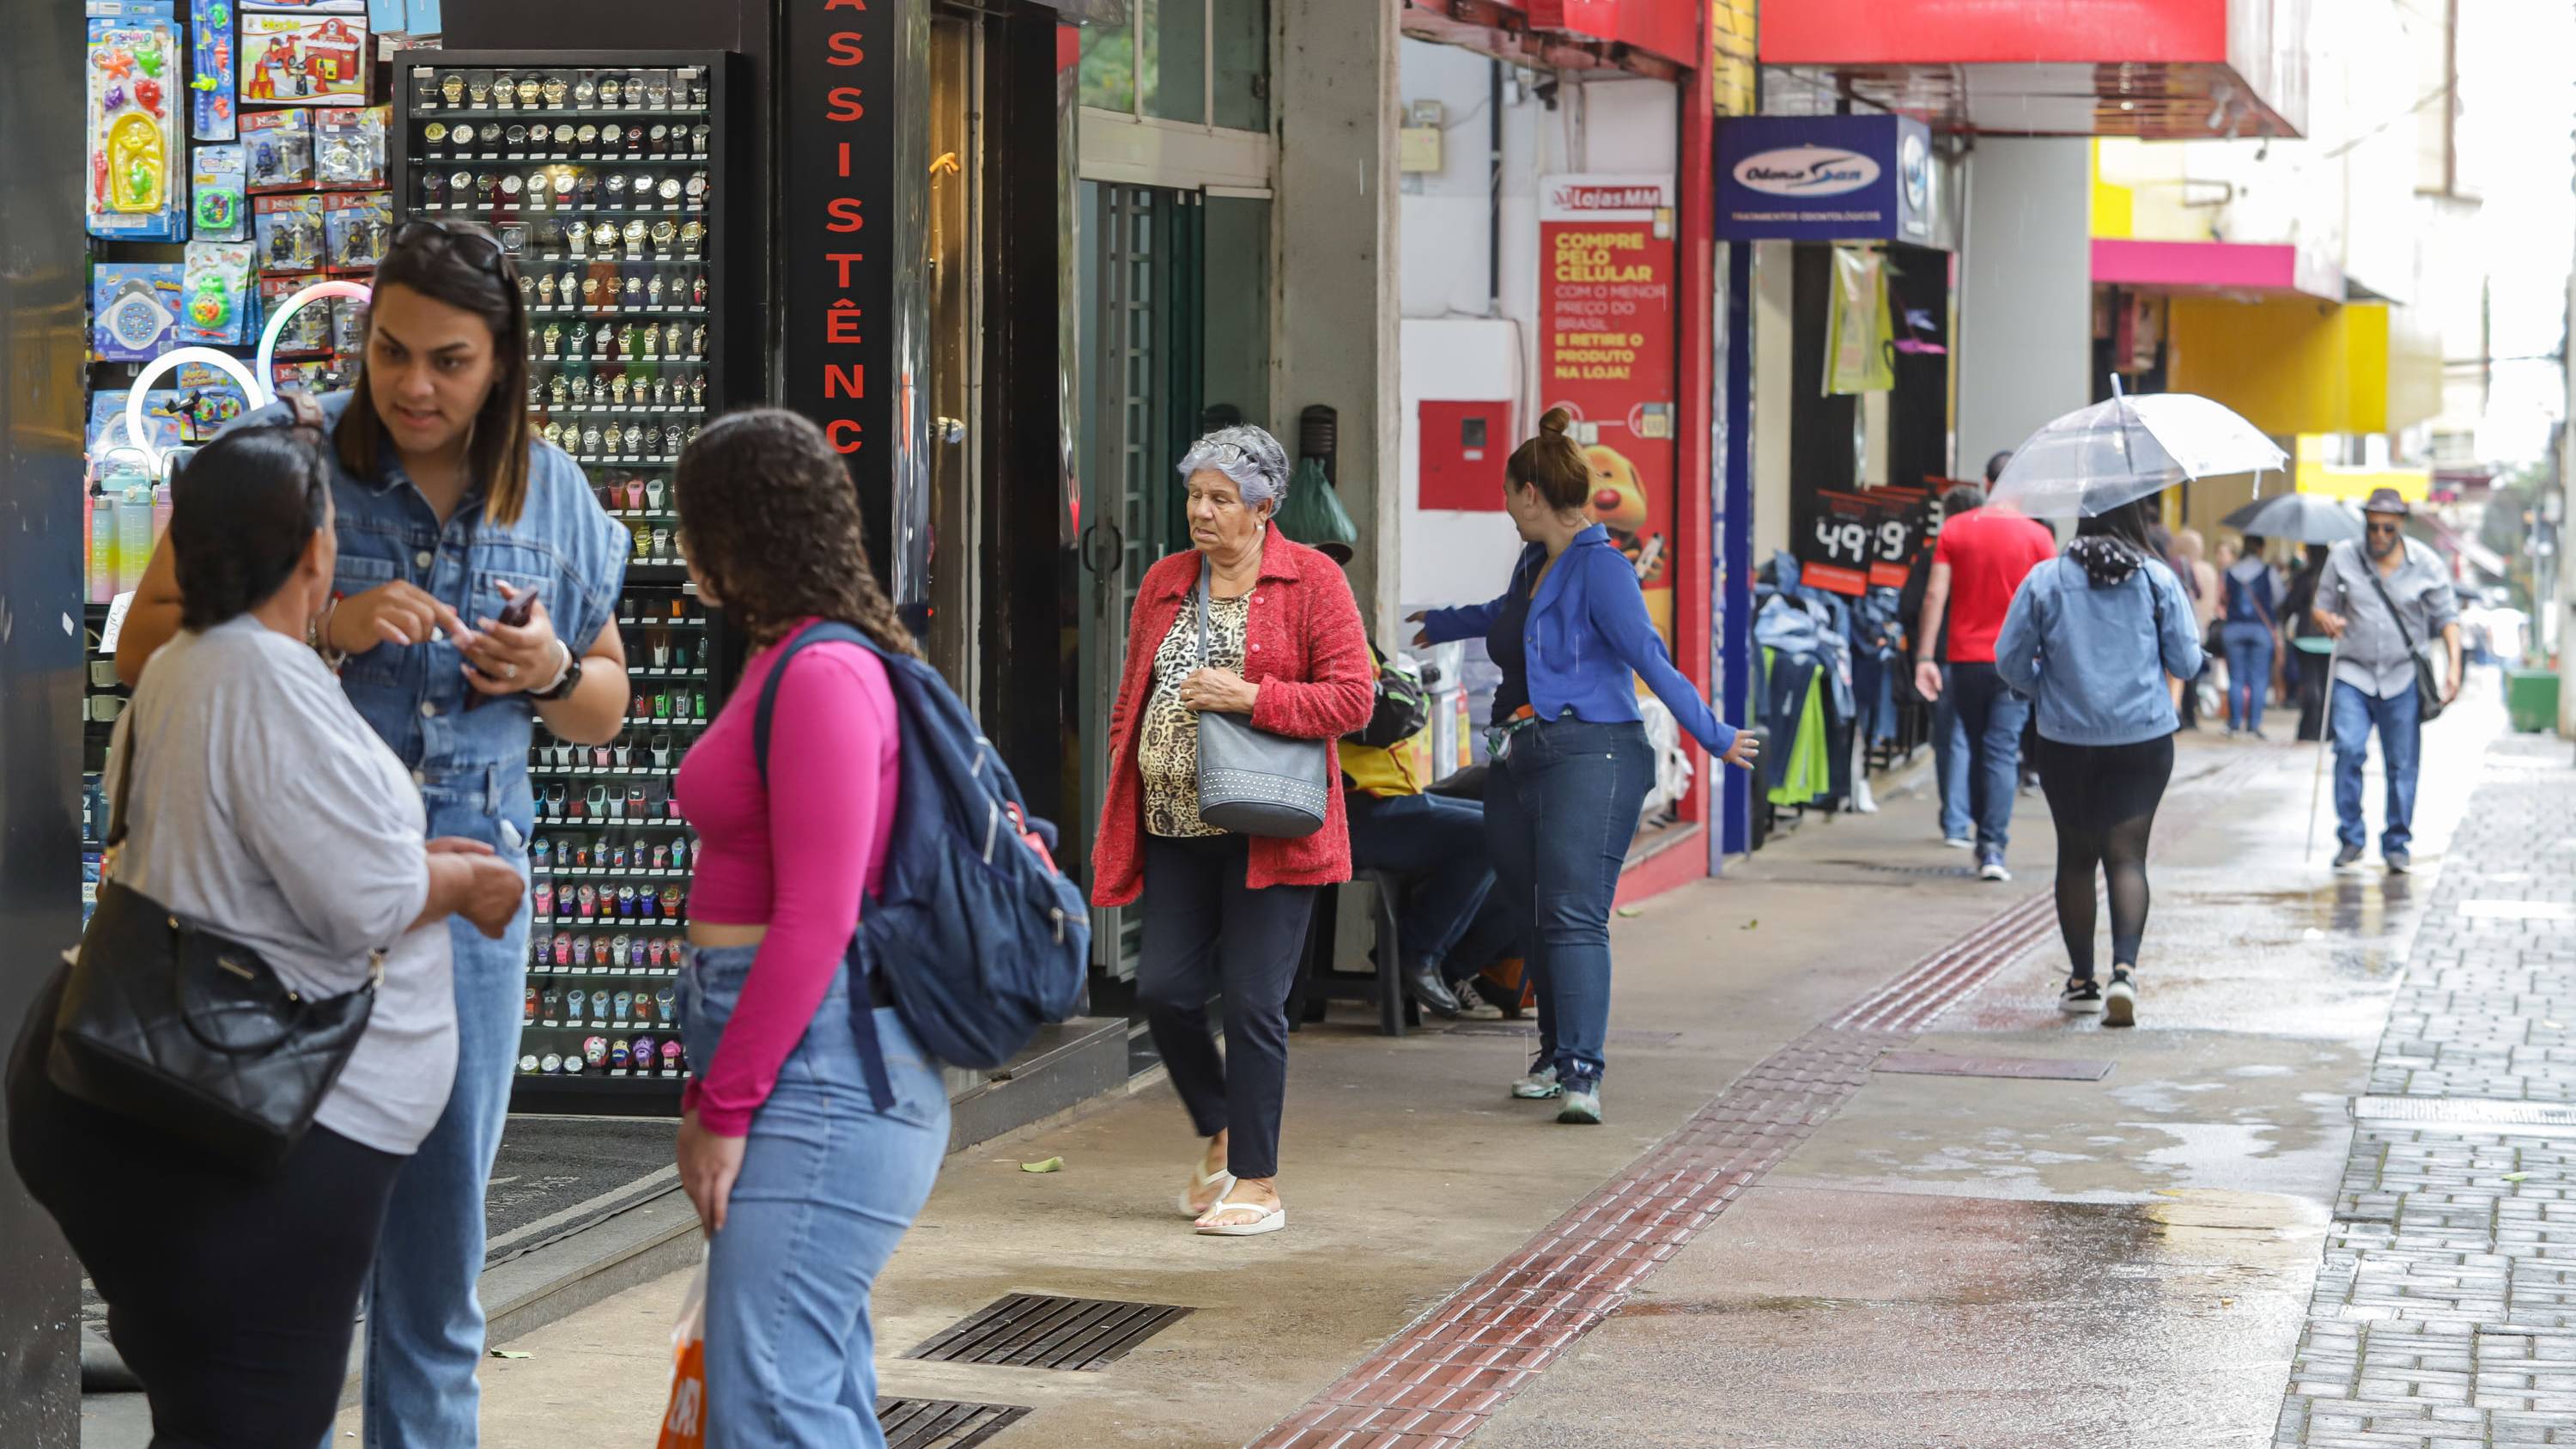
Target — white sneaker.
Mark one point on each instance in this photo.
(2082, 997)
(1993, 870)
(1958, 842)
(2120, 1001)
(1538, 1086)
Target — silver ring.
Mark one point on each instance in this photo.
(509, 671)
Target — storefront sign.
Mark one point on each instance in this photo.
(1849, 543)
(1606, 354)
(849, 263)
(1825, 178)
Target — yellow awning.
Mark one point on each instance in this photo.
(2312, 474)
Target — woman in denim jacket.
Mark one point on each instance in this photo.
(1572, 638)
(450, 508)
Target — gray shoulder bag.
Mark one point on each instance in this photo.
(1251, 781)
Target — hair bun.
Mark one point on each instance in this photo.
(1555, 422)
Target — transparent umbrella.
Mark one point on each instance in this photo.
(2095, 459)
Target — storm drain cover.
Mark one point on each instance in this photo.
(1882, 867)
(942, 1423)
(2045, 1069)
(1035, 1330)
(2466, 1111)
(1621, 1036)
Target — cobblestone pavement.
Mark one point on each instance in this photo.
(2445, 1314)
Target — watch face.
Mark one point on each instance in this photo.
(671, 188)
(531, 90)
(554, 1064)
(609, 91)
(434, 133)
(699, 135)
(663, 231)
(502, 87)
(635, 233)
(635, 289)
(604, 234)
(518, 135)
(584, 92)
(460, 183)
(556, 90)
(509, 186)
(462, 134)
(453, 87)
(588, 134)
(481, 91)
(697, 185)
(616, 188)
(564, 183)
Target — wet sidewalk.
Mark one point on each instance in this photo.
(2025, 1231)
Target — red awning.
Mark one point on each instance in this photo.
(2161, 69)
(1658, 38)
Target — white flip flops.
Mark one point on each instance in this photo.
(1272, 1219)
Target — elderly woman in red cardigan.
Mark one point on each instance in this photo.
(1286, 648)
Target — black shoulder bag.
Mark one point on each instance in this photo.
(193, 1034)
(2428, 680)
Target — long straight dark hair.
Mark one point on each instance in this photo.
(462, 265)
(2129, 523)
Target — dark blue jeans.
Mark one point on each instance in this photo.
(1950, 763)
(1992, 717)
(1437, 845)
(1560, 810)
(2249, 671)
(2401, 732)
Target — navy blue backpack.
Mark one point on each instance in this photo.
(978, 938)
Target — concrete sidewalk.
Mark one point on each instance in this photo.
(1920, 1258)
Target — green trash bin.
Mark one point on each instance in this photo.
(2531, 698)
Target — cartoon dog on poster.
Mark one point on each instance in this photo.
(1619, 504)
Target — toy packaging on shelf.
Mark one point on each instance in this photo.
(290, 232)
(357, 224)
(349, 147)
(281, 148)
(197, 405)
(308, 332)
(313, 7)
(303, 59)
(348, 332)
(219, 303)
(134, 306)
(212, 79)
(138, 179)
(313, 378)
(220, 192)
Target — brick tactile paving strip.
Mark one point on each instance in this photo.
(2445, 1312)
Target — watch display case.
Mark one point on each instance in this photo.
(603, 173)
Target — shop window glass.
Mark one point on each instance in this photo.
(1108, 71)
(1239, 46)
(1235, 365)
(1171, 77)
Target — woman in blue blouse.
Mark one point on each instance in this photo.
(1571, 761)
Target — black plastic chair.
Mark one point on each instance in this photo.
(1319, 980)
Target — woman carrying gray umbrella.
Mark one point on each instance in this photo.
(2319, 523)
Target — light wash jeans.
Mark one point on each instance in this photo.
(424, 1324)
(2401, 737)
(828, 1186)
(1950, 763)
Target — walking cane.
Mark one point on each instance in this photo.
(2325, 731)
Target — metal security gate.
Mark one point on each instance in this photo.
(1141, 282)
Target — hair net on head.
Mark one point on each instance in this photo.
(1246, 454)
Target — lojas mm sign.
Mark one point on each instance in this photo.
(1825, 178)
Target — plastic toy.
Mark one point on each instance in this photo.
(356, 226)
(280, 147)
(222, 207)
(133, 306)
(137, 181)
(219, 295)
(349, 146)
(212, 82)
(290, 232)
(297, 58)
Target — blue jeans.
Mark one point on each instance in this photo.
(1950, 762)
(1437, 845)
(828, 1186)
(2401, 732)
(424, 1323)
(1560, 811)
(2249, 671)
(1991, 717)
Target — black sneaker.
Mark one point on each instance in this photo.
(2348, 857)
(2120, 1002)
(2399, 862)
(2082, 996)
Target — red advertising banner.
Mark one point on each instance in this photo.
(1606, 316)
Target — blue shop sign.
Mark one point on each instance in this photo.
(1825, 178)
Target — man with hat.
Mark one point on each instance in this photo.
(2381, 601)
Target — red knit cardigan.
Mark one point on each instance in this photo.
(1305, 646)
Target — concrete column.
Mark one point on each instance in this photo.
(1333, 92)
(2026, 291)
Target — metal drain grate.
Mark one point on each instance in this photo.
(2466, 1111)
(2045, 1069)
(1035, 1330)
(942, 1423)
(1881, 867)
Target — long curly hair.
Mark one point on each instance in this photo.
(772, 522)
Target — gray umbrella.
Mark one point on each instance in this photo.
(2298, 518)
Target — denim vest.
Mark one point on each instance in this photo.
(565, 546)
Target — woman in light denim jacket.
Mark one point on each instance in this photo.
(449, 508)
(2095, 638)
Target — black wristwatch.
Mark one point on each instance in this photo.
(563, 687)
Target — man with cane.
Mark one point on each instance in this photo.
(2390, 597)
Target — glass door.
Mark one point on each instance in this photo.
(956, 352)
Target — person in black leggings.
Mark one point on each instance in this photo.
(2096, 637)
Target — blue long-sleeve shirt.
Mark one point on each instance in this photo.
(2096, 657)
(1588, 640)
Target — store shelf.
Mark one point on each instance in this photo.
(434, 110)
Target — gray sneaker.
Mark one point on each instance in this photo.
(1581, 1107)
(2400, 863)
(1472, 1003)
(1538, 1086)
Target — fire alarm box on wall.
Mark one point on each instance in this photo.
(1464, 447)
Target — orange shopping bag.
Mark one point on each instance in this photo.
(684, 1423)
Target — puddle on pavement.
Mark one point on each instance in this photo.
(2372, 907)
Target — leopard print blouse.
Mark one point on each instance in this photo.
(1167, 747)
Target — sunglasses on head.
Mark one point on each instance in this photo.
(463, 238)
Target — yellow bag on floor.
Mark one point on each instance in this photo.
(684, 1424)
